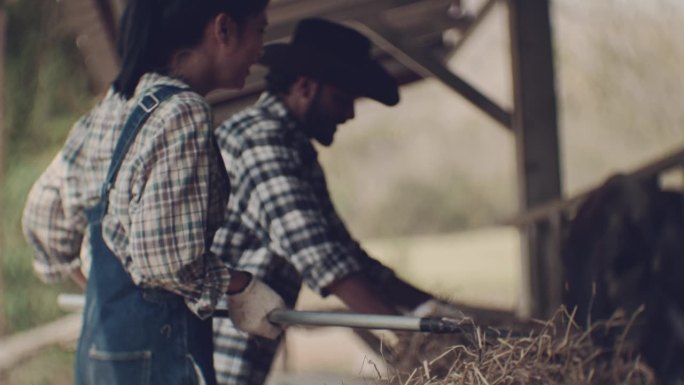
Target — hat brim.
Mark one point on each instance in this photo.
(360, 77)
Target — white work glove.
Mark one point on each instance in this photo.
(249, 309)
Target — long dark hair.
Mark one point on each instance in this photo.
(152, 30)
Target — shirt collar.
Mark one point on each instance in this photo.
(275, 107)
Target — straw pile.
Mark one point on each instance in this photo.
(558, 352)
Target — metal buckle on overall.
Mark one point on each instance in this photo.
(106, 188)
(148, 107)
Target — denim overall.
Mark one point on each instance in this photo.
(132, 335)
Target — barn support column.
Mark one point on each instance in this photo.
(535, 127)
(3, 136)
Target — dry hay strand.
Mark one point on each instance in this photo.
(558, 352)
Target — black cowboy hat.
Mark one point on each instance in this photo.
(335, 55)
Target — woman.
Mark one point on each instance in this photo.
(140, 180)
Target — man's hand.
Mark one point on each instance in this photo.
(249, 309)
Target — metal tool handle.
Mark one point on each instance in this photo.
(76, 302)
(365, 321)
(71, 302)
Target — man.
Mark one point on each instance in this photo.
(282, 226)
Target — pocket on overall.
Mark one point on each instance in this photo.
(114, 368)
(199, 377)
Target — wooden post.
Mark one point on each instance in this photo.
(3, 136)
(535, 126)
(108, 21)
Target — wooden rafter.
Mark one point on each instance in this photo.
(422, 21)
(424, 62)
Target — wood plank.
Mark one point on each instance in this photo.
(546, 210)
(425, 63)
(535, 126)
(290, 12)
(472, 26)
(18, 347)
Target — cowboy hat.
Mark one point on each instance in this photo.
(335, 55)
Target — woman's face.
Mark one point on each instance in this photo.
(247, 48)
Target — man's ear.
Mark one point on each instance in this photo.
(301, 93)
(308, 87)
(225, 30)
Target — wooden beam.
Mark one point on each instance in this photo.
(424, 62)
(535, 126)
(293, 11)
(547, 210)
(480, 15)
(21, 346)
(284, 16)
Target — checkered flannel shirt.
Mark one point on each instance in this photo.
(280, 206)
(167, 201)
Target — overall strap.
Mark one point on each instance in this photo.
(142, 110)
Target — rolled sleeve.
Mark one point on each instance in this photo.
(213, 277)
(317, 254)
(168, 237)
(54, 235)
(288, 209)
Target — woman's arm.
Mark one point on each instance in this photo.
(54, 233)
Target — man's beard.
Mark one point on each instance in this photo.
(318, 124)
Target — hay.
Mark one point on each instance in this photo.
(559, 352)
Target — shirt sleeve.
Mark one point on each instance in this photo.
(170, 225)
(372, 268)
(291, 215)
(54, 232)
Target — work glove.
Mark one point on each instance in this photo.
(249, 309)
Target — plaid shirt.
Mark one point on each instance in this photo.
(166, 203)
(281, 225)
(280, 206)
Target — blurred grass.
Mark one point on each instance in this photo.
(27, 301)
(45, 91)
(51, 367)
